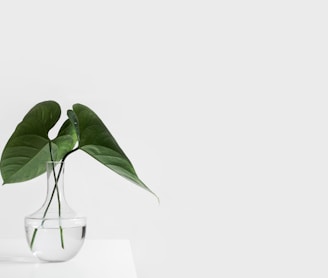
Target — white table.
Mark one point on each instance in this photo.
(97, 258)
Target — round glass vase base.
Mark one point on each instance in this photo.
(57, 244)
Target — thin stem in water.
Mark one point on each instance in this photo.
(56, 178)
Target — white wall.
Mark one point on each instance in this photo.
(221, 106)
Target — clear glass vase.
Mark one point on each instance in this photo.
(55, 232)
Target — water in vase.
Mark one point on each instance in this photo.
(54, 244)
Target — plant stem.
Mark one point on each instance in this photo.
(33, 238)
(48, 206)
(58, 198)
(56, 178)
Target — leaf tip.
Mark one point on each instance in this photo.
(158, 200)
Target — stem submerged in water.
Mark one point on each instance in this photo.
(33, 237)
(56, 178)
(61, 237)
(58, 199)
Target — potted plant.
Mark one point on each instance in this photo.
(55, 232)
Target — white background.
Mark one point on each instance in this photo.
(220, 105)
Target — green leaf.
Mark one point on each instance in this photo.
(27, 150)
(74, 121)
(97, 141)
(65, 140)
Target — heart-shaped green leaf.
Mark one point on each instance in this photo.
(97, 141)
(29, 148)
(29, 144)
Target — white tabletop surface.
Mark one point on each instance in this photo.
(97, 258)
